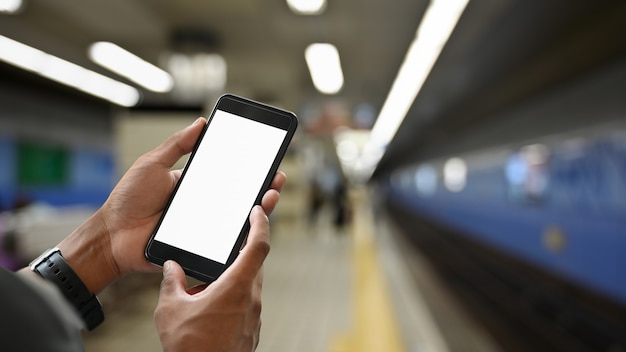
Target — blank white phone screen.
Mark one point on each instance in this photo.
(220, 186)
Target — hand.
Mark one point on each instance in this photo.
(223, 316)
(111, 243)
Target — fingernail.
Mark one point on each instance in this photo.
(197, 121)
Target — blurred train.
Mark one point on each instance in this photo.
(531, 236)
(525, 215)
(558, 202)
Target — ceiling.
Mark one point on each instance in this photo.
(502, 51)
(262, 42)
(502, 54)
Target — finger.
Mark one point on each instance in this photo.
(179, 144)
(251, 257)
(279, 181)
(271, 197)
(174, 279)
(176, 175)
(269, 201)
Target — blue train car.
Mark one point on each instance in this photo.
(557, 202)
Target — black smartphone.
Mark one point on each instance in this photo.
(232, 165)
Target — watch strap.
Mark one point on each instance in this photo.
(53, 267)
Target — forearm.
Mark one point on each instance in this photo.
(88, 251)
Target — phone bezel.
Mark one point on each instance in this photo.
(196, 266)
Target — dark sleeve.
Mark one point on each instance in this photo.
(35, 317)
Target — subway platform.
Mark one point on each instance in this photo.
(339, 290)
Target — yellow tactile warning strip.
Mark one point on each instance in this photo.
(374, 325)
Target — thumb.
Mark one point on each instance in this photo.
(256, 249)
(179, 144)
(174, 279)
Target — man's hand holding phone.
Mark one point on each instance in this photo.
(206, 220)
(111, 243)
(228, 310)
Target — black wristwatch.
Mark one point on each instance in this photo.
(52, 266)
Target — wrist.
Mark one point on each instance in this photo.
(53, 267)
(88, 251)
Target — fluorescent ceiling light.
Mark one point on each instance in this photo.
(438, 22)
(65, 72)
(307, 7)
(129, 65)
(10, 6)
(325, 67)
(199, 73)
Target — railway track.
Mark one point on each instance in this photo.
(525, 309)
